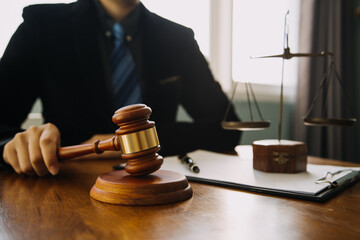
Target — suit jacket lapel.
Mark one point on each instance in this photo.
(139, 45)
(145, 55)
(92, 62)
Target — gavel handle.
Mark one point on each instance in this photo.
(97, 146)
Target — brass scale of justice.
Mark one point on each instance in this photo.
(142, 183)
(284, 156)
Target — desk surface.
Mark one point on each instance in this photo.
(60, 208)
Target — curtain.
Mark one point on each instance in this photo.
(325, 25)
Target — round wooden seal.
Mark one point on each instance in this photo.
(160, 187)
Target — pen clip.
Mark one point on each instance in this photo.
(329, 175)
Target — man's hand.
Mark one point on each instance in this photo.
(34, 151)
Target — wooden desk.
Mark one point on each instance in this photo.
(60, 208)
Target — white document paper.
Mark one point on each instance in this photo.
(239, 170)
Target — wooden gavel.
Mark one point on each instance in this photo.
(136, 139)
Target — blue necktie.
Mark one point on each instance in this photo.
(124, 78)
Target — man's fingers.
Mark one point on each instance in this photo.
(36, 159)
(21, 142)
(34, 151)
(49, 142)
(10, 156)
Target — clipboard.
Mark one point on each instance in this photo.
(322, 196)
(319, 183)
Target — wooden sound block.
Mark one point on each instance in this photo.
(160, 187)
(282, 156)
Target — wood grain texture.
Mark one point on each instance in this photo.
(60, 208)
(160, 187)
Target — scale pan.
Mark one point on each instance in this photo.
(340, 122)
(245, 126)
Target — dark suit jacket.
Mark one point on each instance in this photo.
(57, 54)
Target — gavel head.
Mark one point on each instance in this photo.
(138, 140)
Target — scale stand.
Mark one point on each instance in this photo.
(285, 156)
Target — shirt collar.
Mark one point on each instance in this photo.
(130, 23)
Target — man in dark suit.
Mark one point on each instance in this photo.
(61, 54)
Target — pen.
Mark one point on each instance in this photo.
(190, 163)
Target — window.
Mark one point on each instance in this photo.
(258, 30)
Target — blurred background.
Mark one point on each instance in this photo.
(230, 31)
